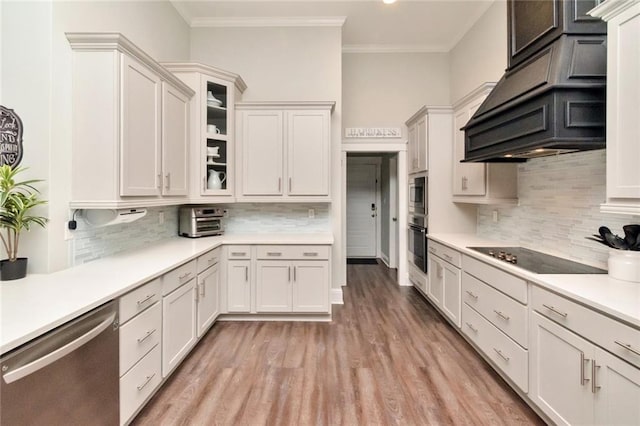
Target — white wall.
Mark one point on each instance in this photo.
(481, 55)
(36, 80)
(286, 64)
(384, 89)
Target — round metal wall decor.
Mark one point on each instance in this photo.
(10, 137)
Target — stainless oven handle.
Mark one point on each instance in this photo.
(51, 357)
(417, 228)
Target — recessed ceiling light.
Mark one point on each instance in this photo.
(539, 150)
(508, 155)
(388, 1)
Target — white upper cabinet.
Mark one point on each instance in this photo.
(284, 150)
(623, 97)
(129, 126)
(212, 147)
(479, 183)
(418, 150)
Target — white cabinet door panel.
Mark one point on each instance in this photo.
(617, 392)
(140, 138)
(451, 293)
(239, 286)
(178, 325)
(273, 286)
(262, 152)
(436, 280)
(308, 139)
(311, 286)
(208, 298)
(175, 139)
(468, 178)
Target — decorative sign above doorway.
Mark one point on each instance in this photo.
(10, 137)
(372, 132)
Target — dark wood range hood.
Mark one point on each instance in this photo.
(551, 99)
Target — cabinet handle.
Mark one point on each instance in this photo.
(439, 271)
(555, 311)
(310, 253)
(432, 250)
(446, 256)
(274, 253)
(146, 336)
(204, 183)
(146, 381)
(583, 380)
(475, 296)
(146, 299)
(503, 356)
(464, 183)
(475, 330)
(289, 267)
(279, 184)
(627, 346)
(168, 183)
(186, 275)
(294, 274)
(238, 253)
(246, 273)
(159, 181)
(212, 259)
(594, 369)
(289, 184)
(501, 315)
(202, 290)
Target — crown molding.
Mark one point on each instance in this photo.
(182, 10)
(484, 88)
(207, 69)
(392, 48)
(330, 105)
(610, 8)
(273, 21)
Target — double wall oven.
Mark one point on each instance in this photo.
(418, 217)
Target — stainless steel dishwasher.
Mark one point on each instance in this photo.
(68, 376)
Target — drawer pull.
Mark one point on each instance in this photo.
(446, 256)
(475, 330)
(628, 347)
(146, 382)
(475, 296)
(274, 253)
(307, 253)
(503, 356)
(432, 250)
(212, 259)
(555, 311)
(594, 369)
(146, 299)
(238, 253)
(583, 380)
(501, 315)
(146, 336)
(186, 275)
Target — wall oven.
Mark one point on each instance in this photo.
(417, 241)
(418, 195)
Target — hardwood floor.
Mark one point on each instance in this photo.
(387, 358)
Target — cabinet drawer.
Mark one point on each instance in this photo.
(139, 383)
(139, 299)
(504, 352)
(293, 252)
(174, 279)
(501, 310)
(508, 284)
(446, 253)
(139, 336)
(616, 337)
(239, 252)
(208, 259)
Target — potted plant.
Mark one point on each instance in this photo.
(16, 201)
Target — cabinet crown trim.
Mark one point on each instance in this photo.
(611, 8)
(483, 89)
(95, 42)
(429, 110)
(209, 70)
(330, 105)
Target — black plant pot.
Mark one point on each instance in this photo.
(13, 270)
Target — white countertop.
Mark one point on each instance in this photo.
(616, 298)
(36, 304)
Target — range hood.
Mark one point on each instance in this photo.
(551, 99)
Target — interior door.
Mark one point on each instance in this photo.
(361, 213)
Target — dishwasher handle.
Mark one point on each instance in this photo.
(52, 357)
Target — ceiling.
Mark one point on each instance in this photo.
(407, 25)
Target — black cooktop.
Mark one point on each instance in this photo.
(537, 262)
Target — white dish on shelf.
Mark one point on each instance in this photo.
(215, 103)
(213, 163)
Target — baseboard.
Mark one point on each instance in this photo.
(385, 259)
(336, 296)
(275, 317)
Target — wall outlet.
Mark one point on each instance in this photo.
(312, 213)
(495, 216)
(161, 218)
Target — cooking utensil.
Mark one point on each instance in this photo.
(616, 242)
(598, 240)
(631, 234)
(603, 231)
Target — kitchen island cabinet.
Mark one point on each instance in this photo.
(130, 126)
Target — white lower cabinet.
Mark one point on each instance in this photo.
(138, 384)
(574, 381)
(239, 286)
(444, 280)
(311, 286)
(273, 286)
(178, 325)
(208, 307)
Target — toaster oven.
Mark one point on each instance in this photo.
(201, 221)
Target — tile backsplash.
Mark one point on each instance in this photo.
(559, 206)
(91, 243)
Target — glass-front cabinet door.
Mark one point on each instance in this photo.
(217, 143)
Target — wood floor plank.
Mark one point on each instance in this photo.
(387, 358)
